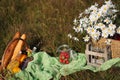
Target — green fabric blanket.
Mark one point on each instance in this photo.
(45, 67)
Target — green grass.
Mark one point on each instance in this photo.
(48, 22)
(38, 19)
(111, 74)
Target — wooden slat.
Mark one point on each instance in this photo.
(95, 53)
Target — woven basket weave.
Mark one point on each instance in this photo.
(115, 46)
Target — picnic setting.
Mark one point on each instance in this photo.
(60, 40)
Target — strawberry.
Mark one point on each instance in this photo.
(64, 57)
(61, 60)
(67, 62)
(67, 56)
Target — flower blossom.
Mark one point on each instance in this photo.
(96, 35)
(107, 20)
(97, 22)
(75, 22)
(118, 30)
(108, 41)
(109, 3)
(112, 26)
(75, 38)
(69, 35)
(86, 38)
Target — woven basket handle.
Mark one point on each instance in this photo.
(25, 43)
(5, 61)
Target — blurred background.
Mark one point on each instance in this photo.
(47, 24)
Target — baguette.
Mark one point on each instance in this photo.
(18, 47)
(9, 50)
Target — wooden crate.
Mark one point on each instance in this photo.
(97, 56)
(115, 46)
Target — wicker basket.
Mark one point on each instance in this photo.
(115, 46)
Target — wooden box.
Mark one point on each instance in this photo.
(97, 56)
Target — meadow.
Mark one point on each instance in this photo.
(47, 24)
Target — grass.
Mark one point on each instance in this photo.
(47, 23)
(38, 19)
(111, 74)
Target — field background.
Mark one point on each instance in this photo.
(47, 23)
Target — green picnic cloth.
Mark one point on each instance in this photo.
(45, 67)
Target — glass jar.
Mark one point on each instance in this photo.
(66, 54)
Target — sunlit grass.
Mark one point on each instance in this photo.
(48, 22)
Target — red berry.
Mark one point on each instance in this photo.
(66, 59)
(67, 62)
(67, 56)
(61, 60)
(62, 57)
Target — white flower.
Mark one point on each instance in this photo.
(75, 22)
(114, 10)
(91, 30)
(109, 3)
(80, 15)
(93, 7)
(118, 30)
(105, 34)
(107, 20)
(96, 35)
(93, 18)
(105, 30)
(100, 26)
(75, 38)
(75, 28)
(99, 14)
(87, 11)
(96, 4)
(85, 19)
(85, 25)
(104, 9)
(112, 26)
(86, 38)
(94, 10)
(81, 21)
(108, 42)
(97, 22)
(96, 26)
(79, 28)
(69, 35)
(111, 32)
